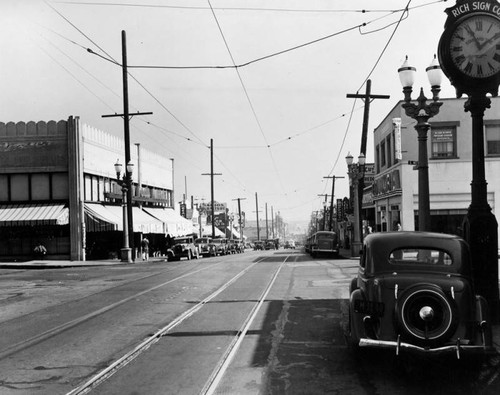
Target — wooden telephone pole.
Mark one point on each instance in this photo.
(212, 174)
(126, 126)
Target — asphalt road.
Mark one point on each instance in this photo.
(262, 322)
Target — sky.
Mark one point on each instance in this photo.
(280, 122)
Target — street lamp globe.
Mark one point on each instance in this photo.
(434, 73)
(118, 168)
(130, 168)
(349, 159)
(407, 74)
(362, 159)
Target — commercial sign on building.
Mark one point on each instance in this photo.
(396, 122)
(369, 176)
(218, 207)
(387, 183)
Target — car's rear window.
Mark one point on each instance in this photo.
(420, 256)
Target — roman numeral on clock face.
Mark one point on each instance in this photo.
(460, 59)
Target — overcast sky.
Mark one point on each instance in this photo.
(280, 122)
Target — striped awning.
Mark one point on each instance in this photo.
(99, 219)
(175, 224)
(34, 214)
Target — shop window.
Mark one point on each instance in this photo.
(40, 187)
(443, 142)
(60, 186)
(493, 139)
(20, 187)
(4, 188)
(382, 154)
(389, 151)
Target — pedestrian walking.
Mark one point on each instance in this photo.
(145, 249)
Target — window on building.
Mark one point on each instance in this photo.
(382, 154)
(492, 139)
(377, 154)
(389, 151)
(444, 142)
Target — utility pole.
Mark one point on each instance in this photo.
(272, 221)
(212, 174)
(367, 98)
(330, 223)
(257, 211)
(239, 216)
(267, 226)
(126, 126)
(324, 209)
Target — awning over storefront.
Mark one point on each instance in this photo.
(34, 214)
(99, 219)
(207, 231)
(175, 224)
(236, 234)
(108, 217)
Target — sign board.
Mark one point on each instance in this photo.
(218, 207)
(396, 122)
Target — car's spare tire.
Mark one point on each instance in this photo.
(425, 315)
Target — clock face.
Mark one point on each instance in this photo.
(475, 46)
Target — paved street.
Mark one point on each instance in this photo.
(267, 322)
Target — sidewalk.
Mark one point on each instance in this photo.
(54, 264)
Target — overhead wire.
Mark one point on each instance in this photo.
(288, 10)
(246, 93)
(133, 77)
(405, 11)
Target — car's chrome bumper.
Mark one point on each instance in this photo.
(399, 346)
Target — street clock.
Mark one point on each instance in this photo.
(469, 48)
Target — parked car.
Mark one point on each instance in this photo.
(221, 246)
(183, 247)
(205, 246)
(414, 293)
(258, 245)
(233, 246)
(236, 246)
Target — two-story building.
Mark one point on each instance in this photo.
(58, 188)
(395, 188)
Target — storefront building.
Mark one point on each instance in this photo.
(58, 189)
(395, 188)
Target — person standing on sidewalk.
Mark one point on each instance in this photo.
(145, 249)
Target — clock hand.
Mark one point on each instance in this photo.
(495, 37)
(493, 41)
(471, 33)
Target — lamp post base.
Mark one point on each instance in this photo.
(356, 247)
(126, 254)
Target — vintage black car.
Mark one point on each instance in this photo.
(183, 247)
(414, 293)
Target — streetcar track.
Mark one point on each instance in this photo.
(17, 347)
(147, 343)
(218, 373)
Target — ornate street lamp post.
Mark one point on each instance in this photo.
(421, 112)
(356, 172)
(125, 183)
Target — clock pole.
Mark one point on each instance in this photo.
(480, 227)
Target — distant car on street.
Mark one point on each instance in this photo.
(205, 246)
(289, 244)
(414, 294)
(221, 246)
(258, 245)
(183, 247)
